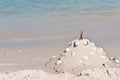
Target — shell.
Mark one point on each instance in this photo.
(85, 42)
(67, 49)
(75, 44)
(58, 62)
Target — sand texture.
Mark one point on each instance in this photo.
(81, 60)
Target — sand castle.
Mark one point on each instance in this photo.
(79, 55)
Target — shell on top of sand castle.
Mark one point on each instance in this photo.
(80, 55)
(75, 44)
(85, 42)
(58, 62)
(67, 50)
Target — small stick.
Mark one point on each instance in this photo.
(81, 36)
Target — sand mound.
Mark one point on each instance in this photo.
(101, 74)
(80, 54)
(89, 74)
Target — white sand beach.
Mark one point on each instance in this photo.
(39, 40)
(81, 60)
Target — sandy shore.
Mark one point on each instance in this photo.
(15, 59)
(29, 64)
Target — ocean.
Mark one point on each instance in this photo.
(35, 23)
(41, 7)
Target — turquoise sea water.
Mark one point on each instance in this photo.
(30, 7)
(23, 20)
